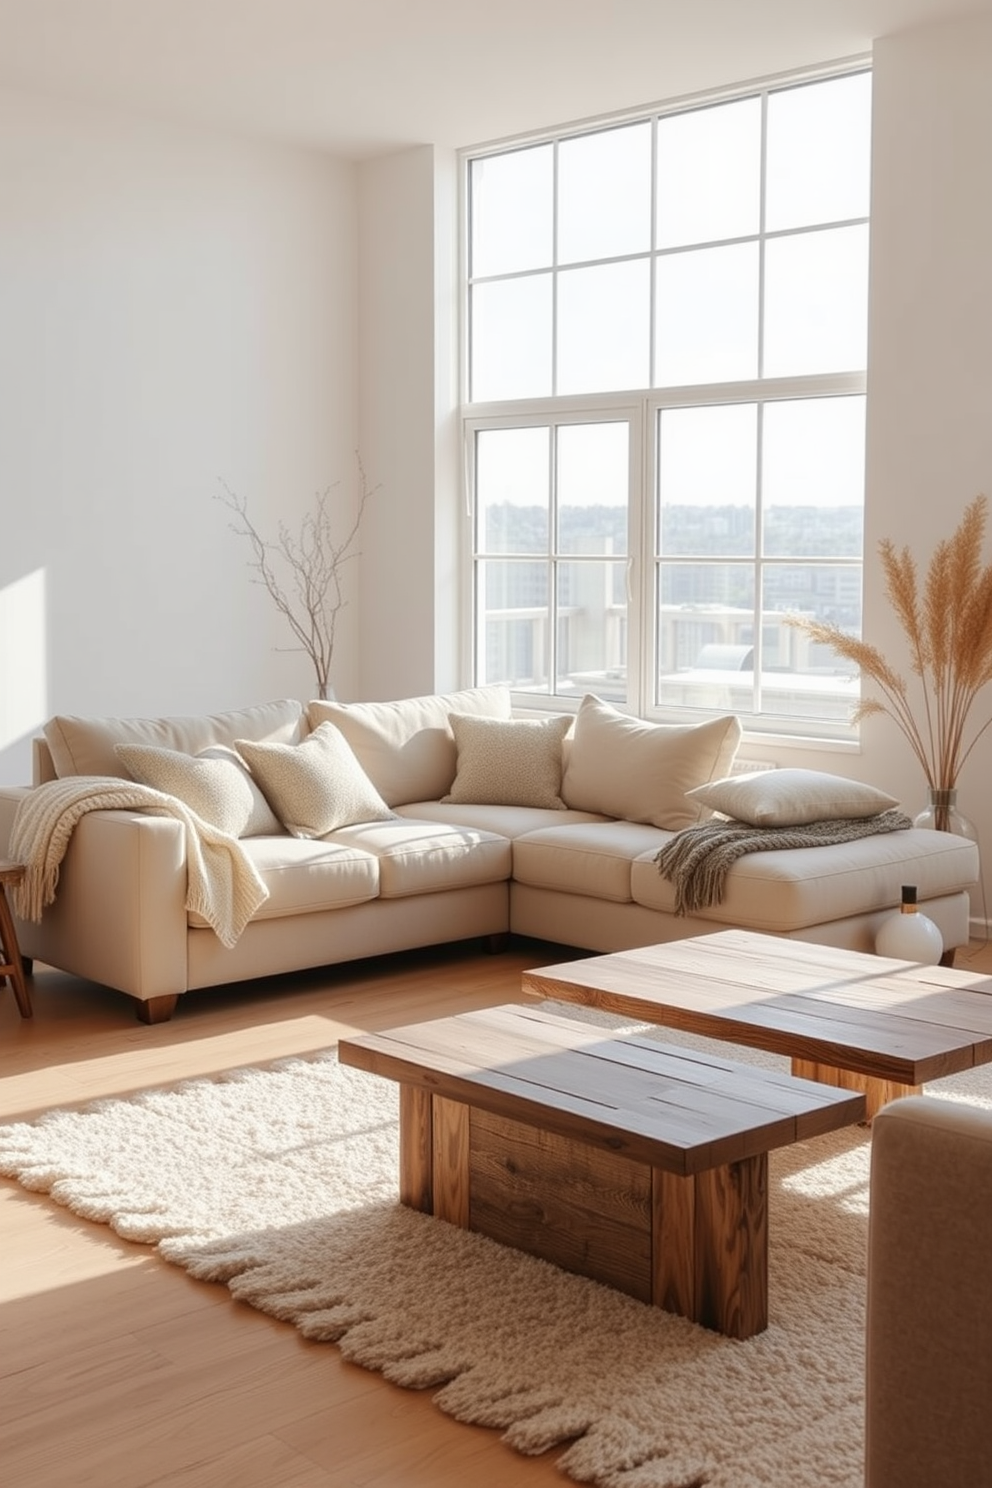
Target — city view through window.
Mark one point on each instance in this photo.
(646, 538)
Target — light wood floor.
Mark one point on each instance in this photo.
(119, 1370)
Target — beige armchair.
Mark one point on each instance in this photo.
(929, 1336)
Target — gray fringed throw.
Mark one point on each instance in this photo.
(698, 859)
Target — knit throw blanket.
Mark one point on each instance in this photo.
(221, 882)
(698, 859)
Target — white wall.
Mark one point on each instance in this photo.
(930, 363)
(409, 435)
(176, 307)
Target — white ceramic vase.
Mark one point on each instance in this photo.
(908, 935)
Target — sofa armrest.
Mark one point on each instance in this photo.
(119, 915)
(929, 1334)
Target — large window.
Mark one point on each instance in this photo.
(665, 375)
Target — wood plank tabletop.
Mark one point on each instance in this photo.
(882, 1018)
(673, 1108)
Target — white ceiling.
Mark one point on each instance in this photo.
(362, 76)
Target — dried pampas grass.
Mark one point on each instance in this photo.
(948, 625)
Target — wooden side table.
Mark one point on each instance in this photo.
(11, 965)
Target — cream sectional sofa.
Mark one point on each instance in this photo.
(459, 822)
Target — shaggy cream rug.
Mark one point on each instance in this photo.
(281, 1183)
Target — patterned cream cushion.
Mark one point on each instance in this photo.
(508, 762)
(263, 821)
(316, 786)
(640, 772)
(213, 789)
(790, 798)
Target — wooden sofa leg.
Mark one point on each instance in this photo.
(947, 959)
(157, 1009)
(498, 943)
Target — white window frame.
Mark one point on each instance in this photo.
(641, 408)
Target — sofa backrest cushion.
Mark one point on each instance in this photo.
(640, 772)
(85, 746)
(407, 748)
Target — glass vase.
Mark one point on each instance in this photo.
(941, 814)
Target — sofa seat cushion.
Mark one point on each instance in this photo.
(422, 857)
(590, 858)
(505, 821)
(790, 889)
(86, 746)
(407, 748)
(305, 877)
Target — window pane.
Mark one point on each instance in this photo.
(513, 486)
(604, 194)
(603, 320)
(706, 326)
(511, 339)
(593, 483)
(705, 636)
(512, 198)
(813, 477)
(819, 153)
(801, 679)
(707, 463)
(822, 591)
(514, 637)
(709, 174)
(592, 629)
(816, 302)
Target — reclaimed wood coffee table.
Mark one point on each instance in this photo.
(640, 1165)
(853, 1020)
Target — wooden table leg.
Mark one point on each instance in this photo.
(434, 1155)
(877, 1092)
(416, 1149)
(11, 965)
(710, 1250)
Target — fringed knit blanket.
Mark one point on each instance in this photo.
(222, 884)
(698, 859)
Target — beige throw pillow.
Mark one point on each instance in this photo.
(640, 772)
(213, 789)
(508, 762)
(316, 786)
(790, 798)
(263, 821)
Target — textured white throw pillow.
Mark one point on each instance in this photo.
(316, 786)
(263, 821)
(508, 762)
(636, 771)
(791, 798)
(213, 789)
